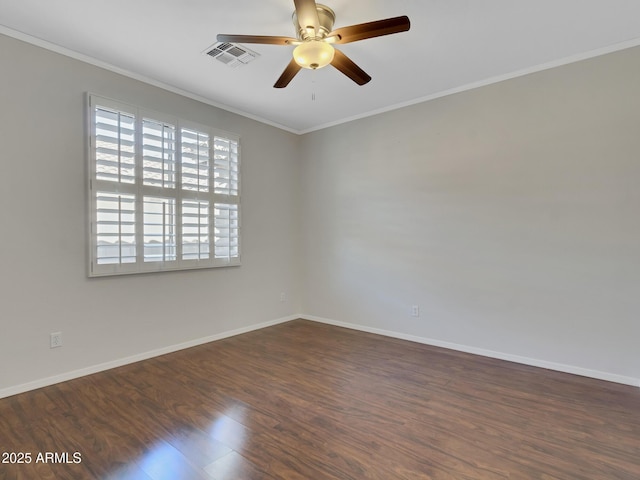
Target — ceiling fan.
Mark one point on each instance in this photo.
(316, 38)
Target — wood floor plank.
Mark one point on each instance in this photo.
(303, 400)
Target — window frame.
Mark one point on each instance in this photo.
(143, 192)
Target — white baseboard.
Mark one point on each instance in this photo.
(585, 372)
(45, 382)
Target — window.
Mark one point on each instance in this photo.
(164, 193)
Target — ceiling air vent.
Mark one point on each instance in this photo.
(231, 54)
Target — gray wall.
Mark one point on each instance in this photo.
(43, 285)
(509, 214)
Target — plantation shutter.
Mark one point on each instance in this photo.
(115, 146)
(225, 169)
(158, 153)
(226, 229)
(195, 230)
(165, 192)
(115, 228)
(160, 231)
(226, 187)
(195, 160)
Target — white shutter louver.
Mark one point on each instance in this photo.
(195, 160)
(115, 228)
(159, 229)
(226, 231)
(225, 166)
(158, 153)
(195, 230)
(115, 146)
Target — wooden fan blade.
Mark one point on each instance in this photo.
(267, 40)
(307, 14)
(350, 69)
(378, 28)
(287, 75)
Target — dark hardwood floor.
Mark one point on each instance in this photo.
(303, 400)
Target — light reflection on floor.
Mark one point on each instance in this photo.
(227, 430)
(163, 461)
(225, 467)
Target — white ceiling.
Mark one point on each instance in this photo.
(452, 45)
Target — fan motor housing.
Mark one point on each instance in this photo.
(326, 16)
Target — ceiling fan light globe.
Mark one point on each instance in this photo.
(313, 54)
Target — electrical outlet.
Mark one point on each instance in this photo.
(55, 339)
(283, 297)
(415, 311)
